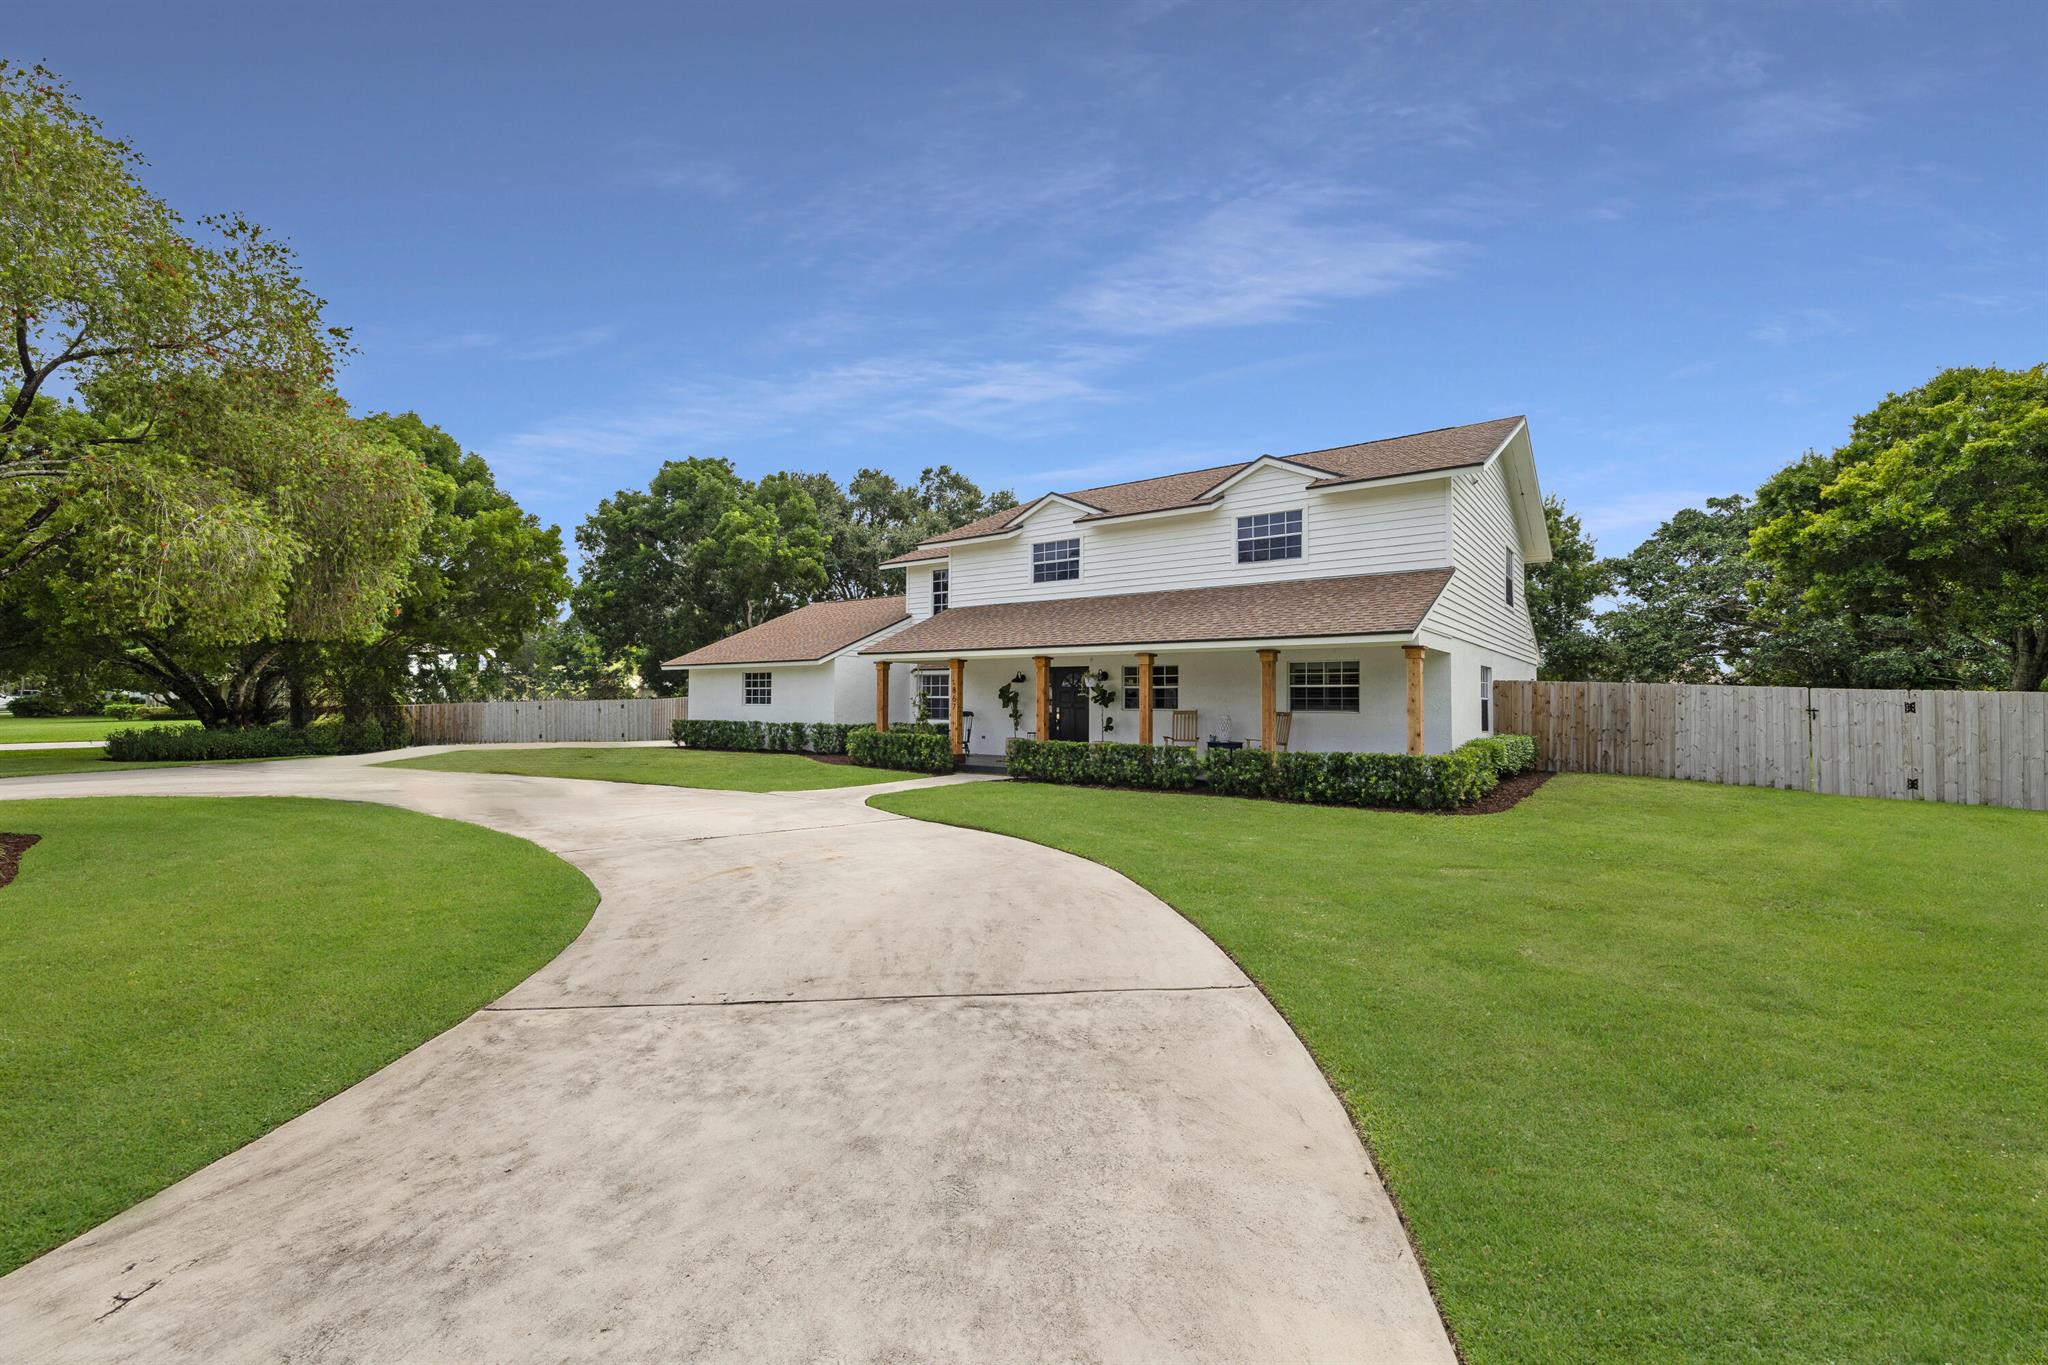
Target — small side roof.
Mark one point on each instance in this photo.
(806, 635)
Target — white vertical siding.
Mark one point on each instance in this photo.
(1474, 605)
(1365, 531)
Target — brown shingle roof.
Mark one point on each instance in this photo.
(1425, 452)
(1366, 604)
(801, 636)
(923, 552)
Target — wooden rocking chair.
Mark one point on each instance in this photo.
(1185, 729)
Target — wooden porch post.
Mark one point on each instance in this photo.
(1414, 653)
(881, 694)
(1268, 659)
(1145, 698)
(1041, 664)
(959, 669)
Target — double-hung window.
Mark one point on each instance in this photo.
(1054, 561)
(1323, 686)
(1165, 687)
(936, 688)
(1485, 700)
(757, 689)
(1268, 536)
(942, 590)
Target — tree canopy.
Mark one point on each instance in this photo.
(703, 552)
(103, 287)
(1934, 513)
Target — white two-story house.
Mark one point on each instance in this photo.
(1364, 597)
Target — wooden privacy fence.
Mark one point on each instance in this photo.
(1981, 748)
(535, 722)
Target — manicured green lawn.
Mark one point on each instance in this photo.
(1655, 1069)
(50, 729)
(43, 762)
(184, 974)
(665, 767)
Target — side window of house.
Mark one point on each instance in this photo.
(1165, 687)
(757, 689)
(1323, 686)
(942, 590)
(1268, 536)
(1485, 700)
(1508, 576)
(1053, 561)
(937, 691)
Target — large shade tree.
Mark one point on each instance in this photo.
(1562, 594)
(486, 575)
(294, 527)
(1934, 513)
(106, 292)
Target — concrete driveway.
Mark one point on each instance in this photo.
(817, 1083)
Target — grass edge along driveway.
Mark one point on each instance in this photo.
(186, 973)
(666, 766)
(1655, 1069)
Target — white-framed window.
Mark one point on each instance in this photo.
(1485, 700)
(1054, 561)
(1508, 576)
(1165, 687)
(942, 589)
(1331, 686)
(757, 689)
(937, 690)
(1269, 535)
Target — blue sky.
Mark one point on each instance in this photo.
(1062, 244)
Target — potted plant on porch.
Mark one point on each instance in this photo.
(1104, 696)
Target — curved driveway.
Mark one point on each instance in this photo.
(817, 1082)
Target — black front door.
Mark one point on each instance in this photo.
(1069, 704)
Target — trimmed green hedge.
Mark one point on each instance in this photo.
(1104, 765)
(750, 736)
(910, 748)
(194, 743)
(828, 738)
(1420, 782)
(717, 734)
(1509, 754)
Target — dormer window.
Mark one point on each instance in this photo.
(1055, 561)
(1268, 536)
(942, 590)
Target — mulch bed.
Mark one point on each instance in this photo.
(828, 758)
(12, 846)
(1507, 794)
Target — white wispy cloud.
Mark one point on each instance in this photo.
(711, 179)
(1788, 122)
(875, 395)
(568, 343)
(1621, 522)
(1805, 324)
(1253, 261)
(461, 341)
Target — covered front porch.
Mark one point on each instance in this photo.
(1357, 695)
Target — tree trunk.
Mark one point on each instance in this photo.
(2029, 658)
